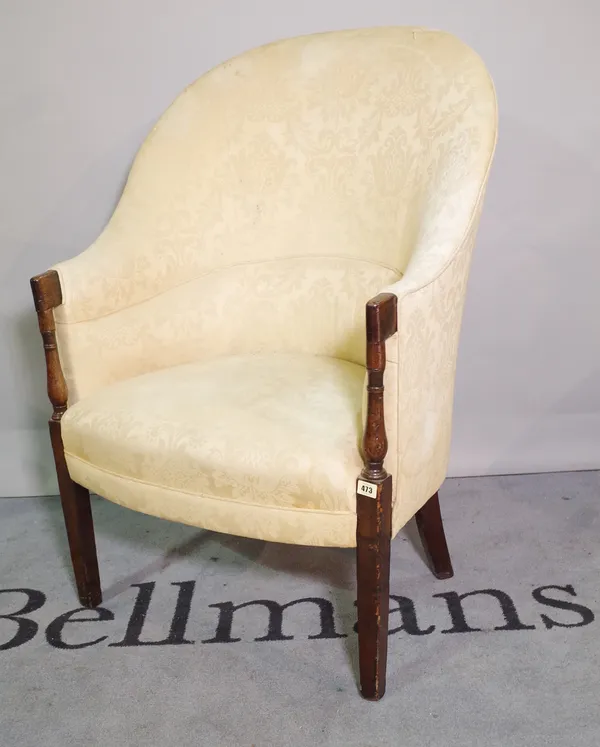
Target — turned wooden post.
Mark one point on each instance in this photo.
(374, 508)
(46, 296)
(75, 499)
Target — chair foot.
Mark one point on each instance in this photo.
(373, 577)
(431, 531)
(77, 512)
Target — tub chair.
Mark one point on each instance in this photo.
(263, 339)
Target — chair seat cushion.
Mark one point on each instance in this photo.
(276, 431)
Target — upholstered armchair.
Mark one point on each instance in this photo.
(275, 305)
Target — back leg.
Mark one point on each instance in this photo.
(431, 531)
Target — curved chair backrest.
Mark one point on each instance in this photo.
(277, 194)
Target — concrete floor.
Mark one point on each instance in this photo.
(516, 665)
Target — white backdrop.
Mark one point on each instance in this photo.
(84, 81)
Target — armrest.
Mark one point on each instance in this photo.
(430, 300)
(382, 323)
(47, 296)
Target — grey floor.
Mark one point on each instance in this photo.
(530, 678)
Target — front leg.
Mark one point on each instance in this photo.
(75, 499)
(374, 510)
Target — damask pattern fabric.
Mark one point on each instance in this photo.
(305, 305)
(276, 195)
(276, 431)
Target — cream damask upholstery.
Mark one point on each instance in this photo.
(213, 337)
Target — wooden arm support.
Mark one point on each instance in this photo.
(75, 499)
(374, 508)
(47, 295)
(382, 322)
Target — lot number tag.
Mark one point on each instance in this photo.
(366, 488)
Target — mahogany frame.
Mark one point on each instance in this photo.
(374, 508)
(374, 512)
(75, 499)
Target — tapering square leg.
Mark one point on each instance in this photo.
(431, 531)
(77, 512)
(373, 536)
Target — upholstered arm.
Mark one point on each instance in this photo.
(430, 300)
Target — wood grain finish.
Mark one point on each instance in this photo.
(381, 318)
(374, 530)
(433, 537)
(374, 510)
(77, 511)
(46, 296)
(75, 499)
